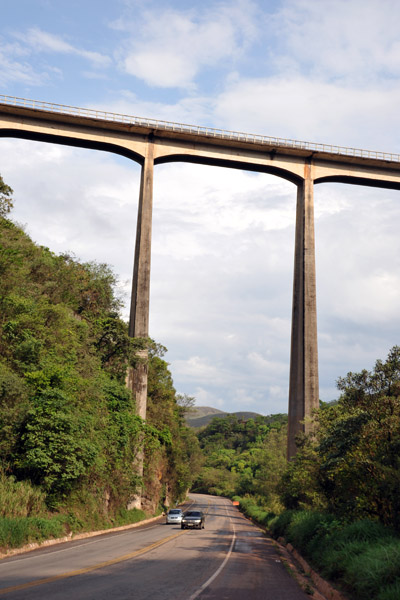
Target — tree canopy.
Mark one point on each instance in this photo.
(350, 465)
(6, 201)
(68, 424)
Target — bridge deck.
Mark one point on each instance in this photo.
(121, 122)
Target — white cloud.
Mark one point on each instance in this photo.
(14, 68)
(74, 200)
(347, 41)
(358, 283)
(205, 397)
(171, 47)
(310, 110)
(264, 364)
(43, 41)
(199, 368)
(358, 252)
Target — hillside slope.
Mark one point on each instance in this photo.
(200, 416)
(69, 431)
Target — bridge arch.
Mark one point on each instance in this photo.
(231, 164)
(359, 180)
(73, 142)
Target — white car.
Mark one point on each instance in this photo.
(174, 515)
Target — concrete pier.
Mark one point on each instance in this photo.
(303, 382)
(140, 299)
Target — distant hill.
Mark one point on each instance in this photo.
(200, 416)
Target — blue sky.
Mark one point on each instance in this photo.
(223, 240)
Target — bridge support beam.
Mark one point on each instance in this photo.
(303, 385)
(140, 300)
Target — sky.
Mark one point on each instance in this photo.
(223, 240)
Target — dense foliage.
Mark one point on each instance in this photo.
(350, 466)
(243, 457)
(173, 462)
(66, 419)
(362, 557)
(337, 501)
(6, 202)
(69, 434)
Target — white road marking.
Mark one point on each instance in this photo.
(218, 571)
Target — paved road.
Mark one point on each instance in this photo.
(228, 560)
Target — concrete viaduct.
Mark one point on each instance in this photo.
(151, 142)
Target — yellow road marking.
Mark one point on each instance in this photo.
(92, 568)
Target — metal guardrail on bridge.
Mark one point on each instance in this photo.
(196, 130)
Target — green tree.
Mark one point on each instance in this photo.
(174, 463)
(243, 457)
(55, 444)
(6, 202)
(68, 424)
(351, 463)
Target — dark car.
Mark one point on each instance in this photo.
(193, 519)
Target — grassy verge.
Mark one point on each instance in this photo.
(16, 532)
(252, 510)
(25, 518)
(361, 558)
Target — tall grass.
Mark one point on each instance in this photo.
(20, 498)
(362, 557)
(16, 532)
(19, 531)
(24, 517)
(374, 569)
(260, 514)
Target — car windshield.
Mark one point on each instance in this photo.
(175, 511)
(193, 513)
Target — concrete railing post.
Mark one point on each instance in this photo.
(303, 385)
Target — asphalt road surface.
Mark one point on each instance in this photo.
(230, 559)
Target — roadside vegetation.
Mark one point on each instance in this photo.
(69, 435)
(244, 458)
(337, 502)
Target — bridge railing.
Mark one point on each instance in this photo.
(196, 130)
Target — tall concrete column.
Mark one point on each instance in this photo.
(140, 300)
(303, 386)
(136, 379)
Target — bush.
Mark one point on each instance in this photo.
(20, 498)
(127, 516)
(363, 557)
(280, 524)
(390, 592)
(258, 513)
(364, 530)
(336, 557)
(305, 526)
(17, 532)
(377, 567)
